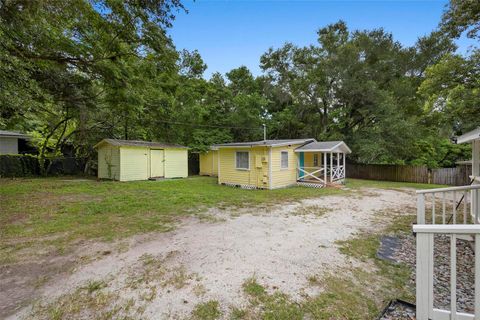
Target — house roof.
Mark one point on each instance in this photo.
(138, 143)
(13, 134)
(325, 146)
(469, 136)
(267, 143)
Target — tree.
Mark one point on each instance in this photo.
(461, 16)
(64, 63)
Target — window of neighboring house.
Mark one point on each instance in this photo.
(242, 160)
(284, 159)
(315, 159)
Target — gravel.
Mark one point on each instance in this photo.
(406, 253)
(398, 310)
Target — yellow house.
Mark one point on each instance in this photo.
(209, 162)
(271, 164)
(128, 160)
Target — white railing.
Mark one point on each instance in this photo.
(310, 172)
(425, 271)
(338, 173)
(447, 205)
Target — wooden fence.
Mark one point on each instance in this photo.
(458, 176)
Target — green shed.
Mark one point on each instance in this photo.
(129, 160)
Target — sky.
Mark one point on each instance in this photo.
(229, 34)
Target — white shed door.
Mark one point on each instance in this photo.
(157, 163)
(134, 164)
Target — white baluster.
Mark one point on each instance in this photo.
(453, 277)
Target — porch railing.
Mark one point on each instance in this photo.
(447, 205)
(338, 173)
(425, 271)
(311, 173)
(332, 174)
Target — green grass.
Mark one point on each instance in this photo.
(360, 183)
(57, 211)
(209, 310)
(56, 207)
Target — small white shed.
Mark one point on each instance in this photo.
(9, 141)
(129, 160)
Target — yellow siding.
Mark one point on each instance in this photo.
(176, 163)
(256, 176)
(209, 163)
(284, 177)
(215, 162)
(108, 162)
(134, 163)
(308, 159)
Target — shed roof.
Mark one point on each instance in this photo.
(13, 134)
(469, 136)
(267, 143)
(139, 143)
(325, 146)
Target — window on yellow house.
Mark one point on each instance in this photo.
(284, 159)
(242, 160)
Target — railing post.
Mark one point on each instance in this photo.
(424, 298)
(420, 208)
(477, 276)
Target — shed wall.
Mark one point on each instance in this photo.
(176, 163)
(134, 163)
(209, 163)
(109, 162)
(8, 145)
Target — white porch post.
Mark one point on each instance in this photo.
(325, 167)
(344, 155)
(331, 167)
(475, 201)
(338, 165)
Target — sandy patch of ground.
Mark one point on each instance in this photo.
(165, 275)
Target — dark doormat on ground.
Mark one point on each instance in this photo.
(398, 310)
(388, 245)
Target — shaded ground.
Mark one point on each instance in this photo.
(201, 268)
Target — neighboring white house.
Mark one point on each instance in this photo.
(9, 141)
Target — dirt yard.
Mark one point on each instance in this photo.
(205, 262)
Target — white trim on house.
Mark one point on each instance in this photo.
(469, 136)
(248, 158)
(270, 168)
(340, 147)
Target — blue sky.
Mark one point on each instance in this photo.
(229, 34)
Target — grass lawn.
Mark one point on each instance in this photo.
(59, 210)
(47, 216)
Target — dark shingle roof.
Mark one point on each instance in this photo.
(268, 143)
(139, 143)
(13, 134)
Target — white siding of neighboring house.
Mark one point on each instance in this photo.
(8, 145)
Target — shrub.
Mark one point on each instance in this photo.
(19, 165)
